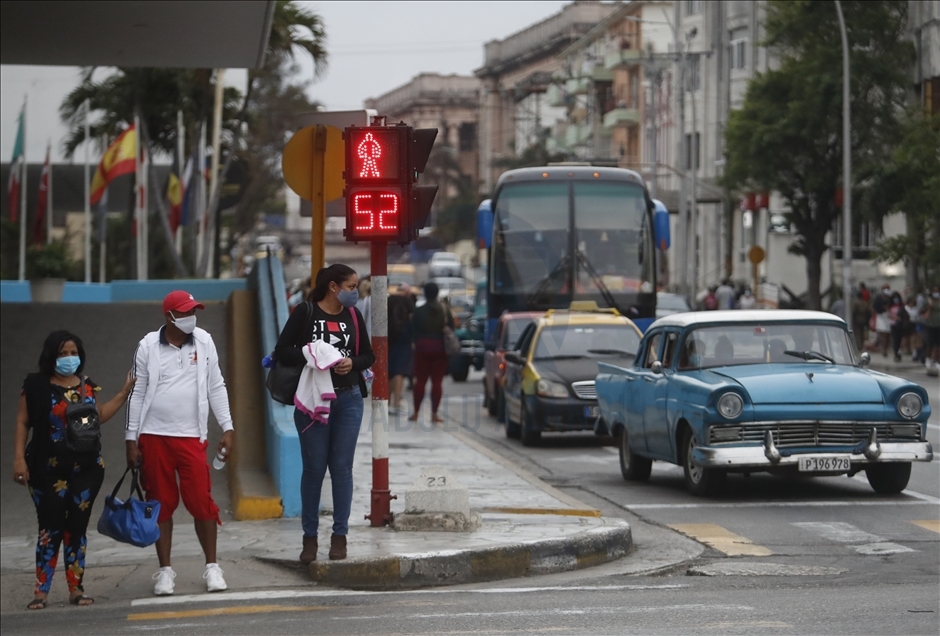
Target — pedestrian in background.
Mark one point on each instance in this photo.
(932, 331)
(880, 306)
(400, 355)
(724, 295)
(861, 316)
(428, 325)
(900, 323)
(178, 380)
(334, 321)
(63, 482)
(747, 300)
(364, 304)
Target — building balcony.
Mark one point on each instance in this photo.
(600, 73)
(577, 135)
(622, 117)
(578, 85)
(555, 95)
(623, 58)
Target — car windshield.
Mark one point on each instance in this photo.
(587, 341)
(776, 342)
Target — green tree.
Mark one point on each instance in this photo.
(909, 183)
(787, 136)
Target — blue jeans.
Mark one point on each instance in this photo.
(333, 446)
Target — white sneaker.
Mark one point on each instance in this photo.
(165, 584)
(213, 577)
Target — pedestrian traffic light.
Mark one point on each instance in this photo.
(383, 202)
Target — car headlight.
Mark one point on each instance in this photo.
(547, 388)
(730, 405)
(910, 405)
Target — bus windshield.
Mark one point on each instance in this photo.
(533, 238)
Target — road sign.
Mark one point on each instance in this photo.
(756, 254)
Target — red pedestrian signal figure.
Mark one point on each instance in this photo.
(369, 151)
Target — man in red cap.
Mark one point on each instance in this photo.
(178, 380)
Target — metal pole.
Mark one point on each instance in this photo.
(23, 191)
(180, 158)
(682, 225)
(846, 172)
(209, 254)
(380, 514)
(693, 167)
(87, 202)
(49, 194)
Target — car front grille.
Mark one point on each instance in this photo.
(808, 433)
(585, 390)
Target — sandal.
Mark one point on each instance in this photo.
(81, 600)
(37, 604)
(437, 420)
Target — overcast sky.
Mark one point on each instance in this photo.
(373, 47)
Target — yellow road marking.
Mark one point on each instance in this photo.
(222, 611)
(929, 524)
(569, 512)
(721, 539)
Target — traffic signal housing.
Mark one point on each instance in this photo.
(383, 202)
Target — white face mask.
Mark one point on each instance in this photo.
(186, 324)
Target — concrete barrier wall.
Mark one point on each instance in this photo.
(283, 444)
(14, 291)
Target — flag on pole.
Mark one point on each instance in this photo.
(39, 226)
(119, 158)
(13, 184)
(174, 196)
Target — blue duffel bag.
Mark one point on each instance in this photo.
(132, 521)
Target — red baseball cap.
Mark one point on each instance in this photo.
(180, 301)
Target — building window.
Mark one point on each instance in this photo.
(694, 72)
(865, 239)
(468, 137)
(738, 54)
(693, 7)
(690, 150)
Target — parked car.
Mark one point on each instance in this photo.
(508, 329)
(470, 326)
(444, 264)
(667, 304)
(447, 284)
(399, 273)
(747, 391)
(548, 384)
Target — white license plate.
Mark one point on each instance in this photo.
(592, 411)
(825, 464)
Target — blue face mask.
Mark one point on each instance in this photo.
(67, 365)
(348, 298)
(695, 360)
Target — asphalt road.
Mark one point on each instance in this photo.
(782, 556)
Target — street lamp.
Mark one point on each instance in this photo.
(846, 173)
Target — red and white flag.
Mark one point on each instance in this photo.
(39, 228)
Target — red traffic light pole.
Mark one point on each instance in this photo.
(381, 513)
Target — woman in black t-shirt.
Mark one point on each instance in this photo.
(330, 316)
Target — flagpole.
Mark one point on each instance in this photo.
(87, 196)
(201, 196)
(49, 194)
(180, 150)
(137, 242)
(102, 238)
(23, 191)
(144, 202)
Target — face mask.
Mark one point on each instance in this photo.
(695, 360)
(67, 365)
(348, 298)
(186, 324)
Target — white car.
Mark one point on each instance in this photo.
(443, 264)
(667, 304)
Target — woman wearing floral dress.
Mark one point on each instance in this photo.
(62, 483)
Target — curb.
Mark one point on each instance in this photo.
(512, 560)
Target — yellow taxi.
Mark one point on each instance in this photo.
(548, 384)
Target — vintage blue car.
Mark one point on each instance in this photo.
(747, 391)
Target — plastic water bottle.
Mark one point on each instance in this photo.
(219, 462)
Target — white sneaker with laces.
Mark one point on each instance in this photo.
(165, 584)
(213, 577)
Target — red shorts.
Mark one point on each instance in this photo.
(162, 458)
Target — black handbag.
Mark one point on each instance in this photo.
(283, 379)
(83, 425)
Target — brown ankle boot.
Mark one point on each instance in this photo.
(337, 547)
(309, 553)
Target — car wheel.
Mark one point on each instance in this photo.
(633, 467)
(889, 479)
(700, 481)
(461, 371)
(512, 428)
(531, 436)
(501, 415)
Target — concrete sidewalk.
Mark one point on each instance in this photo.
(528, 527)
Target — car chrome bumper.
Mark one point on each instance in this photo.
(472, 348)
(768, 456)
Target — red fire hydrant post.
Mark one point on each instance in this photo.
(381, 513)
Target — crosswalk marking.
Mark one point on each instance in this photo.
(861, 541)
(722, 540)
(929, 524)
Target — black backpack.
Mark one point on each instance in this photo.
(397, 317)
(83, 425)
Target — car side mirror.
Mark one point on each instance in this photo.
(656, 367)
(864, 359)
(514, 357)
